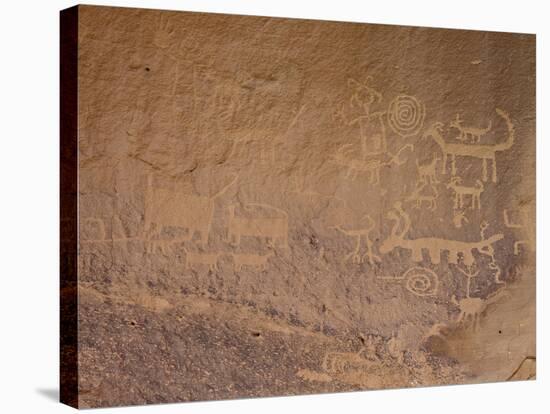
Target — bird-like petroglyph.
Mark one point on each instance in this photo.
(359, 234)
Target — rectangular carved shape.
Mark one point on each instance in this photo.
(258, 206)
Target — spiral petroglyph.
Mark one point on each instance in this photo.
(421, 281)
(406, 115)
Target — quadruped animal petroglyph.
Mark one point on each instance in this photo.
(472, 307)
(167, 207)
(484, 152)
(462, 191)
(427, 172)
(254, 261)
(469, 134)
(209, 260)
(273, 229)
(424, 193)
(371, 165)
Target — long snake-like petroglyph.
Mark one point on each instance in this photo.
(433, 245)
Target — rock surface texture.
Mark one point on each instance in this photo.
(266, 206)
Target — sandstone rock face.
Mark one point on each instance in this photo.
(277, 206)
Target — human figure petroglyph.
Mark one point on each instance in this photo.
(362, 98)
(372, 165)
(482, 152)
(274, 229)
(358, 234)
(363, 95)
(427, 172)
(525, 214)
(433, 245)
(462, 191)
(206, 259)
(469, 134)
(256, 261)
(178, 209)
(421, 195)
(406, 115)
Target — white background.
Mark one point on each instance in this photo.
(29, 193)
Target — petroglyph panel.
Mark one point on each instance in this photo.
(276, 206)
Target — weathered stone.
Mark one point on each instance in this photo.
(278, 206)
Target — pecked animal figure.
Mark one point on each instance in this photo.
(433, 245)
(485, 152)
